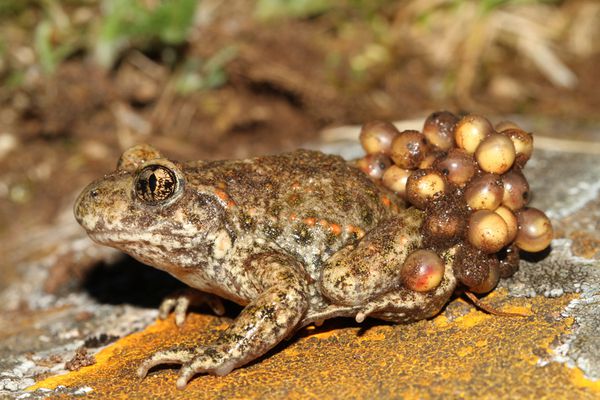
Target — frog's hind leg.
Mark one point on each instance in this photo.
(361, 272)
(402, 305)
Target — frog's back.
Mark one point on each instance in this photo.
(306, 202)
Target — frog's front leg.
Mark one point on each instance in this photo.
(276, 310)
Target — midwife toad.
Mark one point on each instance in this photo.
(296, 238)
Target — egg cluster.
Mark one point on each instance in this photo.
(466, 175)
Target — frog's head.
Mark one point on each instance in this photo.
(146, 209)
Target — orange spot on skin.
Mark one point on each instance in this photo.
(386, 201)
(296, 186)
(293, 216)
(324, 223)
(310, 221)
(336, 229)
(225, 197)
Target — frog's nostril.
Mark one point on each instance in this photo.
(94, 193)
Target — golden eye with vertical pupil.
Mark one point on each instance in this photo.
(155, 184)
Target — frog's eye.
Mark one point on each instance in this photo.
(155, 184)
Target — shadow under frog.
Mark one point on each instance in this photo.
(295, 239)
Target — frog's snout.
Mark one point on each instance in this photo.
(85, 205)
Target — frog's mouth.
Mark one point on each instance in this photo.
(126, 239)
(110, 238)
(155, 249)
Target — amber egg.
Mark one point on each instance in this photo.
(496, 154)
(394, 178)
(374, 165)
(506, 124)
(431, 159)
(458, 166)
(484, 192)
(490, 281)
(516, 189)
(523, 142)
(535, 230)
(470, 132)
(422, 271)
(511, 221)
(487, 231)
(423, 186)
(439, 129)
(377, 136)
(509, 261)
(471, 265)
(443, 226)
(409, 149)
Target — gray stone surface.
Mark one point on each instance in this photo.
(559, 273)
(566, 185)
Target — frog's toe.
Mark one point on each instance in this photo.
(205, 362)
(166, 307)
(364, 312)
(172, 356)
(179, 302)
(185, 375)
(216, 304)
(200, 364)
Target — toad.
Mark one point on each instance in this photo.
(295, 238)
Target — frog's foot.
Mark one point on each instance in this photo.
(386, 302)
(180, 301)
(399, 306)
(208, 360)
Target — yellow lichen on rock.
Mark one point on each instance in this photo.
(448, 356)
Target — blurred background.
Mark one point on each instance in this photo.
(81, 80)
